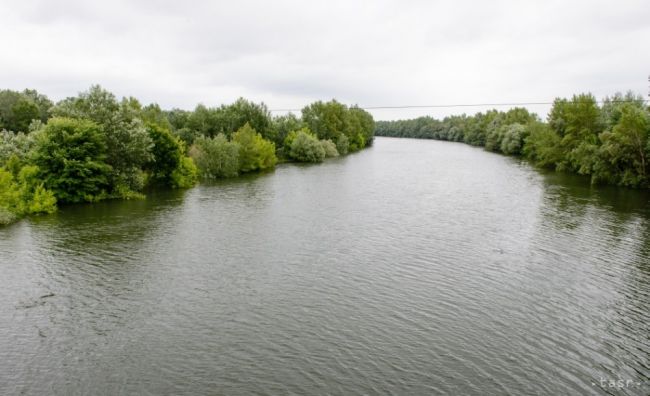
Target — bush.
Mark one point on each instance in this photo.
(23, 196)
(255, 153)
(513, 139)
(330, 148)
(215, 157)
(342, 144)
(185, 175)
(170, 166)
(542, 145)
(306, 147)
(6, 217)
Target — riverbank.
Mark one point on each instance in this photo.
(92, 147)
(608, 140)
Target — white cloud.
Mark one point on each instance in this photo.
(288, 53)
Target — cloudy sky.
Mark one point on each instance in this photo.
(289, 53)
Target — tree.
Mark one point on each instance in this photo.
(623, 156)
(513, 139)
(283, 125)
(18, 109)
(23, 112)
(542, 145)
(255, 153)
(362, 127)
(243, 112)
(342, 144)
(330, 148)
(327, 120)
(215, 157)
(579, 123)
(306, 147)
(167, 152)
(128, 144)
(70, 156)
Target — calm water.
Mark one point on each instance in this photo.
(413, 267)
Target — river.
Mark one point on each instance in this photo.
(412, 267)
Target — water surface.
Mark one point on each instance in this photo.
(413, 267)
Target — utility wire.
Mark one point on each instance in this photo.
(465, 105)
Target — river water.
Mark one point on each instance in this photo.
(413, 267)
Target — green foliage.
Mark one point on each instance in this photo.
(542, 145)
(97, 147)
(16, 145)
(305, 147)
(342, 144)
(581, 124)
(361, 127)
(330, 148)
(494, 137)
(167, 153)
(513, 139)
(128, 144)
(623, 156)
(327, 120)
(185, 175)
(71, 155)
(283, 125)
(215, 157)
(35, 198)
(9, 193)
(609, 143)
(153, 114)
(18, 109)
(255, 153)
(23, 111)
(226, 119)
(23, 195)
(170, 166)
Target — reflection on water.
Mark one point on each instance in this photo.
(414, 267)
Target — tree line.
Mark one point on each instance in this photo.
(609, 142)
(93, 146)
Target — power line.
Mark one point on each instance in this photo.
(465, 105)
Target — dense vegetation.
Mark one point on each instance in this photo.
(93, 146)
(609, 143)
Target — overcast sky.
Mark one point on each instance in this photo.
(289, 53)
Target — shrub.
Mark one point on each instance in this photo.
(330, 148)
(306, 148)
(513, 139)
(185, 175)
(255, 153)
(216, 157)
(342, 144)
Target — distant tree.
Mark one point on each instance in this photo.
(23, 112)
(18, 109)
